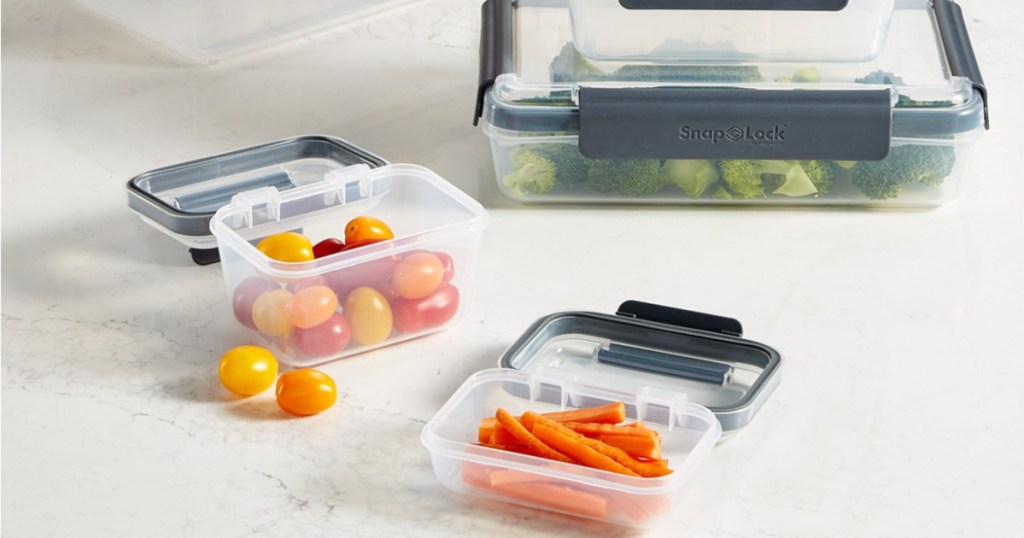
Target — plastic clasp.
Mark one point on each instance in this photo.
(659, 405)
(546, 379)
(356, 176)
(249, 200)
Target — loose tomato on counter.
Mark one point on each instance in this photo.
(306, 392)
(286, 247)
(366, 230)
(434, 310)
(247, 370)
(368, 313)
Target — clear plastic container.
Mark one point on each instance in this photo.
(688, 431)
(427, 215)
(211, 30)
(895, 131)
(785, 30)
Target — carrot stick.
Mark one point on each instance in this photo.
(535, 445)
(592, 429)
(617, 455)
(576, 449)
(502, 436)
(558, 497)
(611, 413)
(634, 445)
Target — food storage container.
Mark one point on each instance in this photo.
(777, 30)
(206, 31)
(893, 131)
(335, 305)
(689, 376)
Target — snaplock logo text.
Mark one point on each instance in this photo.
(734, 134)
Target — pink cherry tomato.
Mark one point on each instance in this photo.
(434, 310)
(311, 306)
(245, 295)
(326, 339)
(446, 262)
(369, 273)
(417, 275)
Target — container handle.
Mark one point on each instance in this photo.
(681, 318)
(956, 43)
(495, 47)
(737, 5)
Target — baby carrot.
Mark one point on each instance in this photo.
(535, 445)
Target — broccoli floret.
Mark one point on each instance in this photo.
(807, 74)
(571, 166)
(694, 176)
(534, 172)
(721, 193)
(880, 77)
(884, 179)
(633, 177)
(820, 174)
(743, 178)
(570, 66)
(689, 73)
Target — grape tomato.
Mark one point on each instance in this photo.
(368, 313)
(434, 310)
(268, 312)
(306, 392)
(417, 275)
(245, 295)
(311, 306)
(325, 339)
(247, 370)
(286, 247)
(364, 230)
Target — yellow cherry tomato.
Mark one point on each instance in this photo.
(365, 230)
(268, 312)
(306, 392)
(368, 315)
(248, 370)
(287, 247)
(417, 275)
(311, 306)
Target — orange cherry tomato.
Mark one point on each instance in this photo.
(268, 312)
(286, 247)
(248, 370)
(368, 315)
(306, 392)
(417, 275)
(311, 306)
(366, 230)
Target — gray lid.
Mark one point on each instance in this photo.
(180, 200)
(646, 348)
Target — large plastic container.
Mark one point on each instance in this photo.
(772, 30)
(689, 376)
(893, 131)
(210, 30)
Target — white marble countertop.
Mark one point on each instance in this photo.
(900, 412)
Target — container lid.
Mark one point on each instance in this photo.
(650, 349)
(924, 84)
(180, 200)
(714, 30)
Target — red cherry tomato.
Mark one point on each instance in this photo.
(417, 275)
(434, 310)
(363, 243)
(247, 370)
(306, 392)
(328, 338)
(245, 295)
(327, 247)
(286, 247)
(361, 229)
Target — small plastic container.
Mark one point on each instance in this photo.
(685, 374)
(717, 30)
(206, 31)
(896, 131)
(339, 304)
